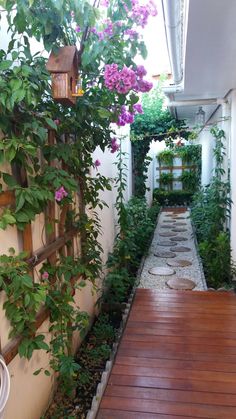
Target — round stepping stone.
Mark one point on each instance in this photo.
(166, 243)
(179, 230)
(181, 284)
(168, 226)
(167, 234)
(179, 239)
(180, 249)
(163, 254)
(181, 263)
(161, 270)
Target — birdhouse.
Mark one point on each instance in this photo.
(63, 66)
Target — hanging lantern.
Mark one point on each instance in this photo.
(63, 66)
(200, 117)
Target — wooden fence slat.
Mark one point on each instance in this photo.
(11, 349)
(7, 198)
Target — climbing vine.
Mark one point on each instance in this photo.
(156, 123)
(107, 37)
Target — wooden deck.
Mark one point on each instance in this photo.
(176, 359)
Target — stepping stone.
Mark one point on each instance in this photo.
(163, 271)
(163, 254)
(166, 243)
(180, 249)
(168, 226)
(181, 263)
(168, 234)
(179, 230)
(179, 239)
(181, 284)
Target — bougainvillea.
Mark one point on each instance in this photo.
(106, 34)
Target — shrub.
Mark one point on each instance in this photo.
(128, 250)
(172, 197)
(216, 259)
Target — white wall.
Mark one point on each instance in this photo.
(232, 155)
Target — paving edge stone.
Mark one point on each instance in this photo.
(92, 412)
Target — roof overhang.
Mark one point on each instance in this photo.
(209, 56)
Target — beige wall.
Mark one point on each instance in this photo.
(30, 394)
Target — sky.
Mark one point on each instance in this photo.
(157, 61)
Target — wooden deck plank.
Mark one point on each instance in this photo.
(119, 414)
(176, 358)
(170, 395)
(163, 407)
(173, 363)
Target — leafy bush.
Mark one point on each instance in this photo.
(210, 212)
(190, 180)
(216, 257)
(172, 197)
(128, 250)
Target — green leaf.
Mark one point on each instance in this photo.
(5, 65)
(37, 372)
(9, 218)
(9, 180)
(104, 113)
(51, 123)
(47, 373)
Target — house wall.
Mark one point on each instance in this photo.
(232, 157)
(30, 395)
(208, 143)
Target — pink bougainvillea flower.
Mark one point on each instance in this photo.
(60, 194)
(78, 29)
(45, 275)
(114, 145)
(104, 3)
(138, 108)
(97, 163)
(141, 71)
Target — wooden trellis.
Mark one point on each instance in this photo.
(172, 168)
(62, 243)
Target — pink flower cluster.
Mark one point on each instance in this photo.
(127, 117)
(60, 194)
(45, 275)
(126, 79)
(140, 13)
(97, 163)
(114, 145)
(132, 33)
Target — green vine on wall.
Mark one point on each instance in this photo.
(27, 112)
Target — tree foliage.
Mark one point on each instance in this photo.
(156, 123)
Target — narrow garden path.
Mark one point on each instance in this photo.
(177, 355)
(172, 261)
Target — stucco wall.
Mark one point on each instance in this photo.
(30, 394)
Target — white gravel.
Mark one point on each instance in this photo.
(193, 272)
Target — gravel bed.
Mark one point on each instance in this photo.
(193, 272)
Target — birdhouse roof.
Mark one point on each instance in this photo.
(63, 61)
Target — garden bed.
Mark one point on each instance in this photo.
(92, 356)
